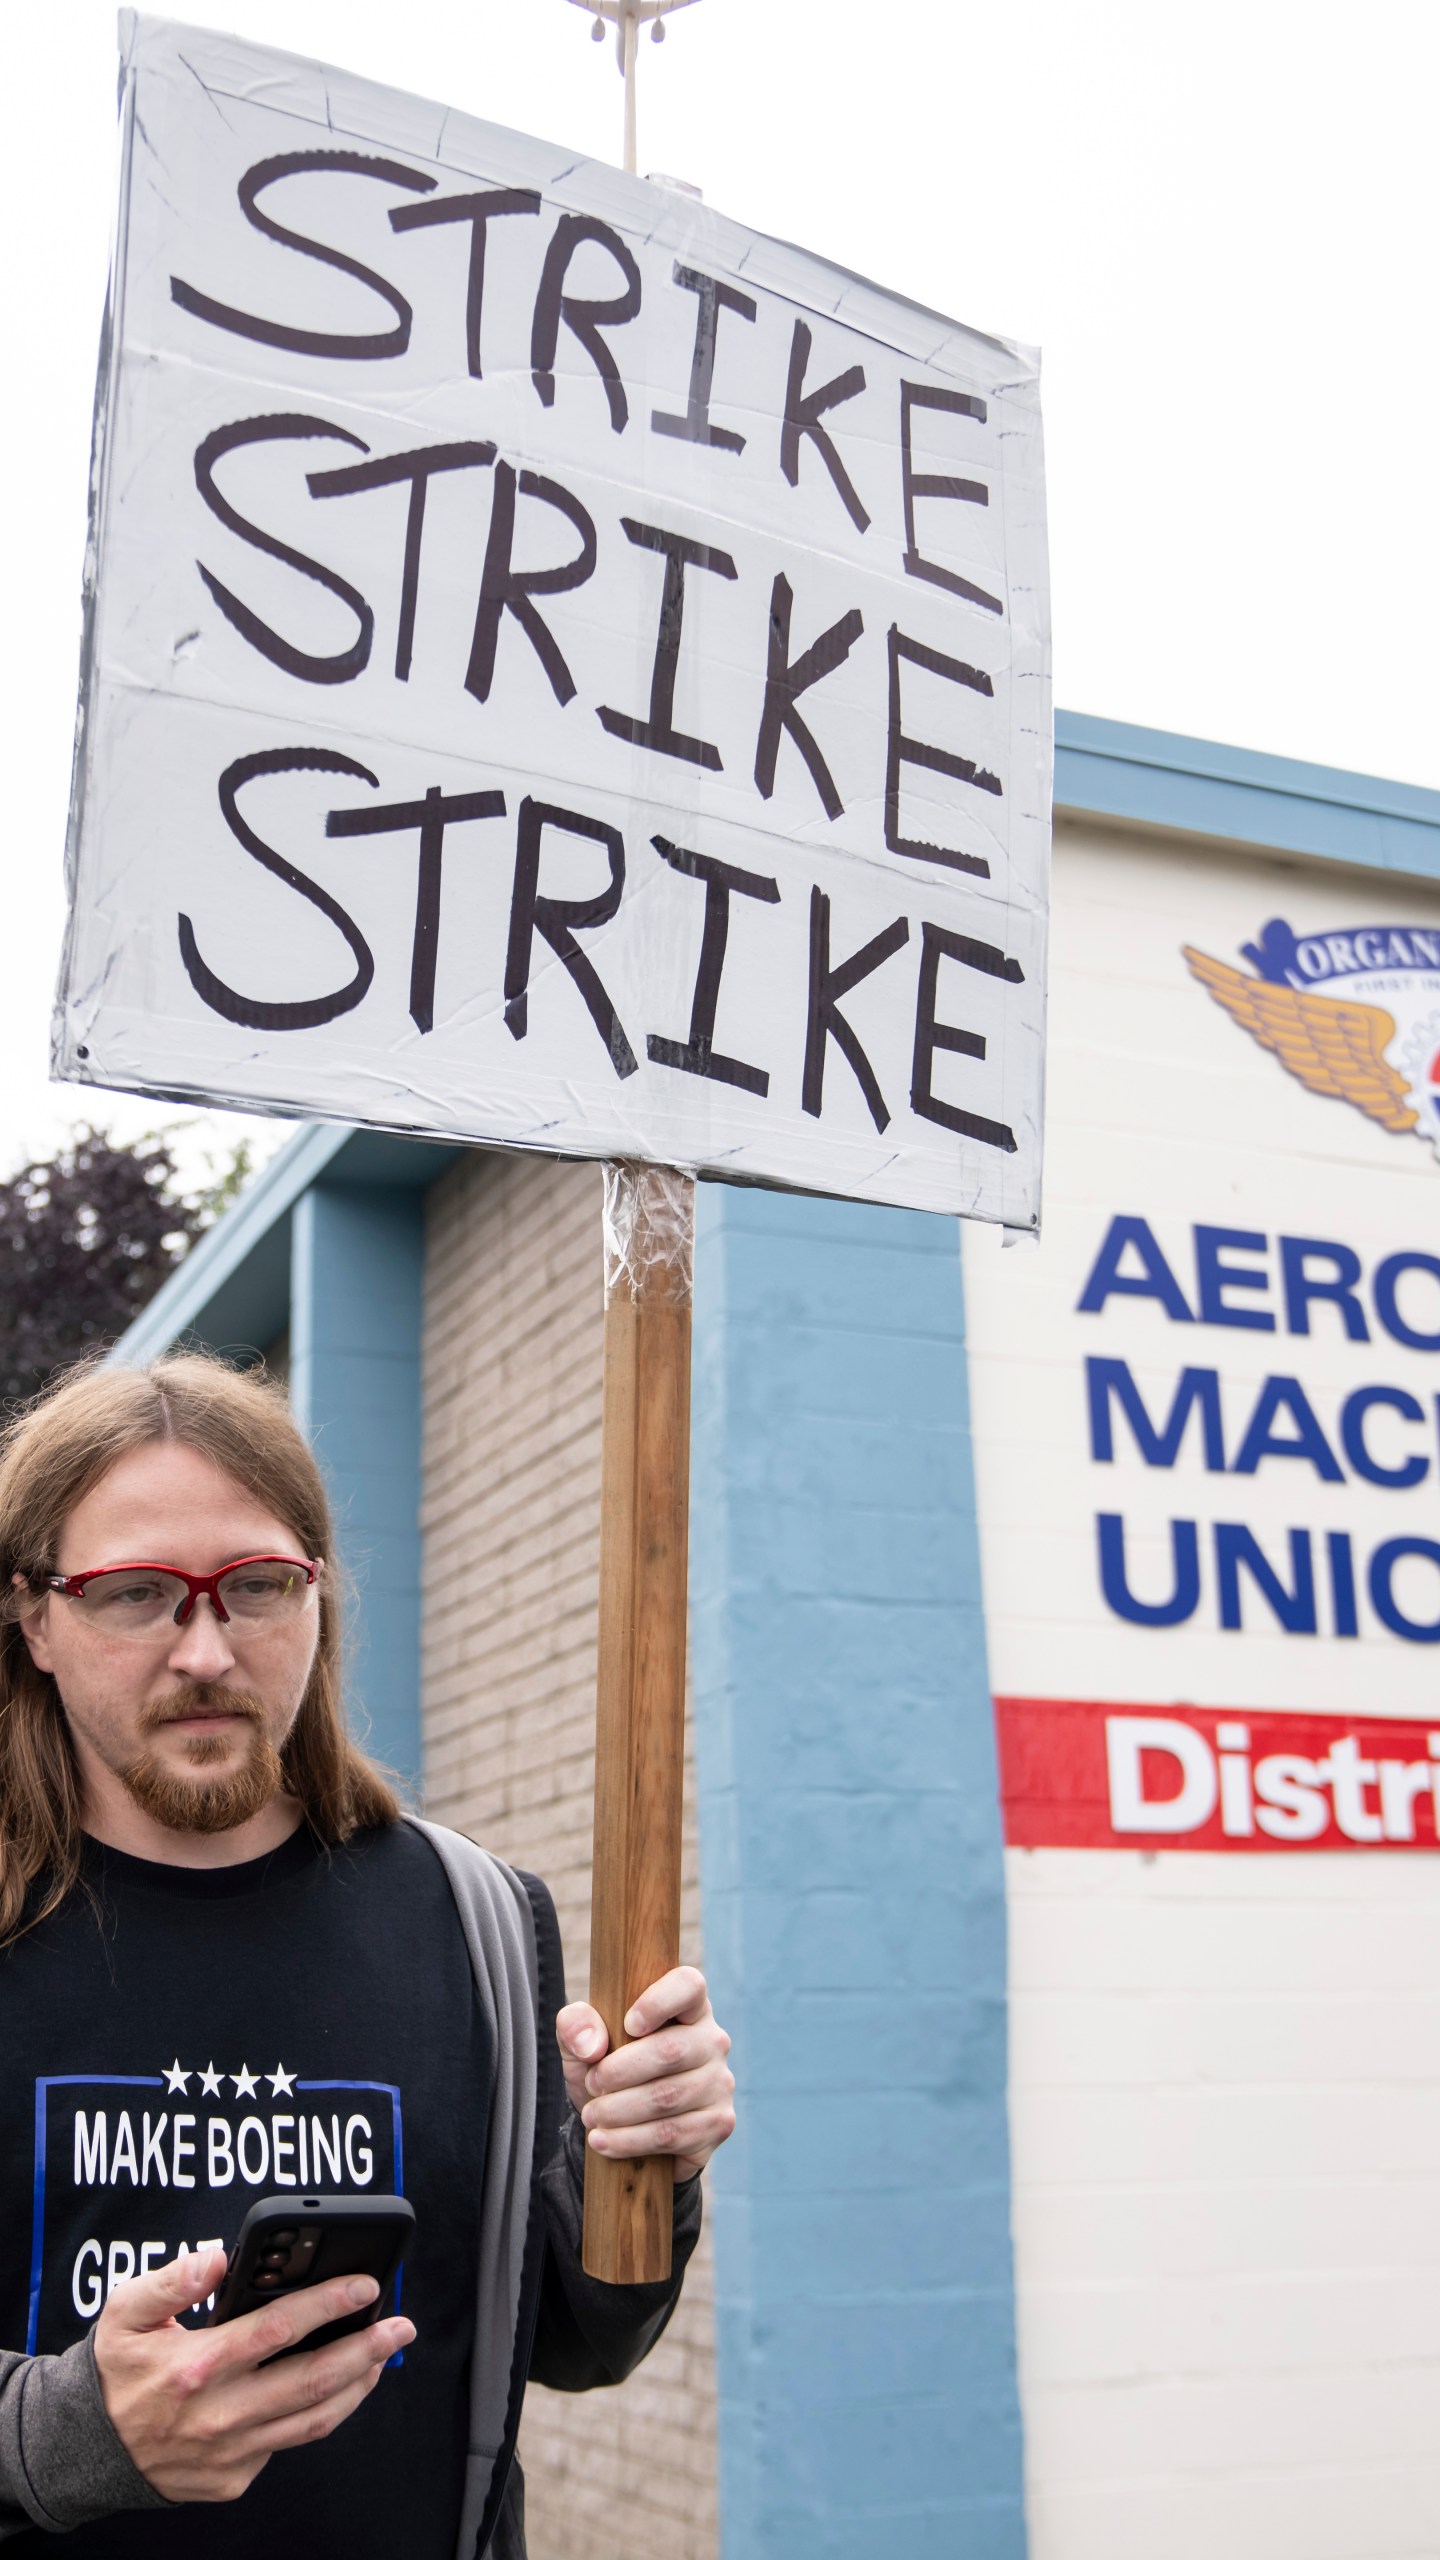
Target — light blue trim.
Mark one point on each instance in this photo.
(222, 1264)
(357, 1281)
(232, 1291)
(853, 1892)
(1106, 768)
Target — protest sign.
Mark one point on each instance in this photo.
(561, 669)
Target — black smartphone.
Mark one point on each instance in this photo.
(286, 2243)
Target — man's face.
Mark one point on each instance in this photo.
(191, 1719)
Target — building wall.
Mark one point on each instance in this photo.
(1224, 2082)
(854, 1892)
(1225, 2062)
(512, 1342)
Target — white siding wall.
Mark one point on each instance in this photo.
(1225, 2068)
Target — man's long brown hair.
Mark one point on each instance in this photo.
(51, 1456)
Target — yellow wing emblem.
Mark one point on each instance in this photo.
(1334, 1047)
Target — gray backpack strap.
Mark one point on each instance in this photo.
(496, 1916)
(549, 2111)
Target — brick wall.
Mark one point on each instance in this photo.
(510, 1512)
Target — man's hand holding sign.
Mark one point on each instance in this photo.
(669, 2090)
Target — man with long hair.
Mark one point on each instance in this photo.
(231, 1967)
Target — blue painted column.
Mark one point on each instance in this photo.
(853, 1892)
(357, 1268)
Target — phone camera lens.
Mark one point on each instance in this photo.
(268, 2277)
(279, 2240)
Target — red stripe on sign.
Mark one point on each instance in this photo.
(1076, 1773)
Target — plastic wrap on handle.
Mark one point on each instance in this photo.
(649, 1231)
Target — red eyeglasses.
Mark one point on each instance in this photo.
(141, 1599)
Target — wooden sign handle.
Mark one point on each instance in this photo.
(640, 1690)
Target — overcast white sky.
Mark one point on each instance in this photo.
(1219, 225)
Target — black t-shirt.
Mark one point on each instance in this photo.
(308, 2020)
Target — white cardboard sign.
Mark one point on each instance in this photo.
(561, 669)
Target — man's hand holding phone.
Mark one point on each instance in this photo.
(195, 2413)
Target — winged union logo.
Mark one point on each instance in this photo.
(1316, 1004)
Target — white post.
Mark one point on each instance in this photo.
(630, 27)
(627, 18)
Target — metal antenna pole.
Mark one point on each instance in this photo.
(627, 17)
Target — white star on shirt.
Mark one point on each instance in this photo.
(245, 2082)
(176, 2079)
(210, 2081)
(281, 2080)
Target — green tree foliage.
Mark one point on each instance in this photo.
(85, 1242)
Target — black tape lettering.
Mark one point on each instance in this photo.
(479, 211)
(659, 730)
(902, 750)
(417, 467)
(307, 1014)
(698, 1056)
(939, 484)
(506, 589)
(347, 663)
(803, 413)
(785, 680)
(695, 427)
(278, 333)
(432, 815)
(825, 1020)
(585, 319)
(938, 944)
(557, 921)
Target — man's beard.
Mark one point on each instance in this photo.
(220, 1803)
